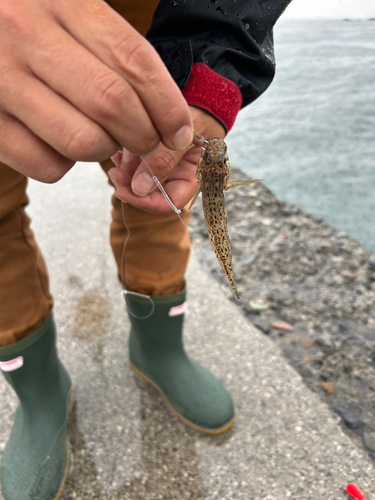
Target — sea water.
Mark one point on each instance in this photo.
(311, 136)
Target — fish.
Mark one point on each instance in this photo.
(212, 175)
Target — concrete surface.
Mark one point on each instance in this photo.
(125, 442)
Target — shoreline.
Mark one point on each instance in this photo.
(294, 269)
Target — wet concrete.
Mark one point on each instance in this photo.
(125, 442)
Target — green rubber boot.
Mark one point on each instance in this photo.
(35, 462)
(158, 356)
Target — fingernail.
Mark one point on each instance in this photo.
(126, 156)
(113, 178)
(142, 184)
(116, 158)
(183, 138)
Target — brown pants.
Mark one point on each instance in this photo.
(156, 254)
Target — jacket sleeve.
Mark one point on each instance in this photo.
(219, 52)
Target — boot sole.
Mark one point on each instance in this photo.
(66, 474)
(221, 430)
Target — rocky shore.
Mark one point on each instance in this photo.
(312, 290)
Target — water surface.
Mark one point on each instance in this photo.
(311, 136)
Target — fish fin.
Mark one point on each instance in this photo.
(195, 197)
(234, 184)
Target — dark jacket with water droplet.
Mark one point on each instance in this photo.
(207, 44)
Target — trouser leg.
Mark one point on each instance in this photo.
(25, 299)
(153, 253)
(138, 13)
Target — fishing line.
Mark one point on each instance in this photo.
(124, 291)
(200, 141)
(228, 292)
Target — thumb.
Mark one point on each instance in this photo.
(159, 164)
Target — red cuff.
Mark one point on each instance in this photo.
(214, 93)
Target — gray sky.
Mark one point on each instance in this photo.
(330, 8)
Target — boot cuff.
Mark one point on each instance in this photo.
(173, 299)
(23, 344)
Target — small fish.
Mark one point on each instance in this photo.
(213, 178)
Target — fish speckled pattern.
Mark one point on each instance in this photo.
(213, 178)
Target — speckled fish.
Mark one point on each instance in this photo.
(213, 178)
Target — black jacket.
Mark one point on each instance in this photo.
(233, 37)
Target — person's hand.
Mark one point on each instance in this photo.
(176, 171)
(76, 83)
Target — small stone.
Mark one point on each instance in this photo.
(348, 275)
(282, 325)
(263, 326)
(285, 212)
(306, 372)
(258, 305)
(343, 328)
(338, 280)
(307, 343)
(323, 243)
(371, 263)
(266, 222)
(329, 388)
(304, 261)
(326, 375)
(348, 389)
(351, 417)
(368, 439)
(310, 272)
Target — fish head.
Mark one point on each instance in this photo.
(215, 156)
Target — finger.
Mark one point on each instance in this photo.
(121, 47)
(153, 203)
(26, 153)
(56, 122)
(126, 164)
(96, 90)
(116, 158)
(160, 164)
(179, 192)
(129, 162)
(180, 188)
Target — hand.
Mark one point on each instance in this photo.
(176, 171)
(78, 82)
